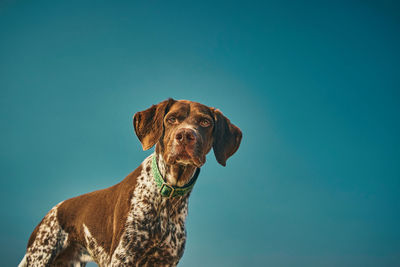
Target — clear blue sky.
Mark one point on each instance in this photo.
(314, 86)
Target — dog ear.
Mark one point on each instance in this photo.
(227, 138)
(149, 125)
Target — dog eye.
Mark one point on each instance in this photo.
(205, 123)
(172, 119)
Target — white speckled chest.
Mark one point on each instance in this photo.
(154, 233)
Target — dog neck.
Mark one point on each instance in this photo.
(175, 174)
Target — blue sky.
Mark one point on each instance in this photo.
(314, 86)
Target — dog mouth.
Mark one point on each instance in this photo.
(185, 155)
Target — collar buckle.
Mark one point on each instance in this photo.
(166, 190)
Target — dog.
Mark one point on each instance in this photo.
(141, 220)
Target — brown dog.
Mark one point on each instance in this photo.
(141, 220)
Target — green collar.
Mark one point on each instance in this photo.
(167, 190)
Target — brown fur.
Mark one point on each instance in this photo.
(107, 223)
(227, 137)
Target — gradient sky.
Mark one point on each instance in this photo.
(314, 86)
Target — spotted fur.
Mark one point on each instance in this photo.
(49, 241)
(155, 232)
(94, 249)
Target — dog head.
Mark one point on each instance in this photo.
(185, 131)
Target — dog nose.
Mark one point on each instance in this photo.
(185, 136)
